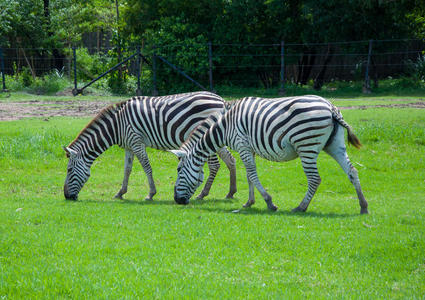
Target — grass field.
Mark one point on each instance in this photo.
(100, 247)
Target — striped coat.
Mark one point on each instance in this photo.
(158, 122)
(275, 129)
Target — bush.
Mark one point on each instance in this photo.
(419, 67)
(48, 84)
(26, 77)
(89, 66)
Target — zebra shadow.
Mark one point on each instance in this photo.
(279, 213)
(146, 202)
(167, 201)
(205, 205)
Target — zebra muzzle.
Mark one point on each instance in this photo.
(67, 195)
(180, 199)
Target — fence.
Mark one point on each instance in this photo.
(247, 65)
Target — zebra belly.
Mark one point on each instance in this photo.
(285, 153)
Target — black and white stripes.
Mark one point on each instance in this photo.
(275, 129)
(158, 122)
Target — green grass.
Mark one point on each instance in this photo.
(100, 247)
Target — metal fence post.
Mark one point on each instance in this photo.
(2, 70)
(366, 86)
(155, 91)
(210, 73)
(138, 90)
(75, 90)
(282, 69)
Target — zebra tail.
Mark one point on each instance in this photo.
(352, 138)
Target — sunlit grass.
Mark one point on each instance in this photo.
(100, 247)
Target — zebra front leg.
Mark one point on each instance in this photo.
(213, 165)
(144, 161)
(128, 165)
(230, 162)
(313, 179)
(251, 172)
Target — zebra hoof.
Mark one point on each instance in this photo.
(118, 196)
(364, 211)
(229, 196)
(272, 207)
(249, 203)
(298, 209)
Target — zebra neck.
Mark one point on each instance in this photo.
(94, 140)
(212, 141)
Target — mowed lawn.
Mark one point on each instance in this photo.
(100, 247)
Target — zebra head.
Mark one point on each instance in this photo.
(77, 174)
(189, 177)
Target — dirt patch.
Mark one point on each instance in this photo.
(19, 110)
(399, 105)
(29, 109)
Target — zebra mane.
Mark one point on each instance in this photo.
(109, 110)
(230, 103)
(199, 131)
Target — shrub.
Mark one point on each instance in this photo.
(48, 84)
(419, 67)
(89, 65)
(26, 76)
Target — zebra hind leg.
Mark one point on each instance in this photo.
(142, 156)
(313, 179)
(338, 151)
(230, 162)
(213, 166)
(128, 165)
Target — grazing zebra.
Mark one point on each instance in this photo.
(278, 130)
(157, 122)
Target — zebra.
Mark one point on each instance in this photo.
(157, 122)
(279, 129)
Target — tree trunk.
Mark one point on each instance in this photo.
(28, 63)
(375, 74)
(305, 66)
(318, 82)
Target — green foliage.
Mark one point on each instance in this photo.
(21, 23)
(71, 19)
(27, 79)
(100, 247)
(47, 85)
(419, 68)
(91, 65)
(189, 54)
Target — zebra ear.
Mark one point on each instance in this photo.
(69, 152)
(178, 153)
